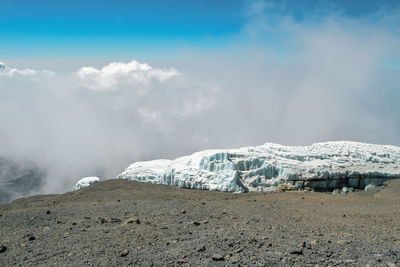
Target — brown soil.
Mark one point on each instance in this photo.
(121, 223)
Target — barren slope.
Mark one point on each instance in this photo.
(172, 226)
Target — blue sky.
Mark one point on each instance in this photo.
(48, 28)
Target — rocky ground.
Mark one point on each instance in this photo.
(121, 223)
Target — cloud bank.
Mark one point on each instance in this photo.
(5, 71)
(95, 121)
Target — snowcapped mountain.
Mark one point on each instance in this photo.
(327, 165)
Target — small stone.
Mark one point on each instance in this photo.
(48, 212)
(183, 211)
(234, 259)
(32, 238)
(202, 248)
(311, 244)
(66, 235)
(182, 261)
(102, 220)
(196, 223)
(132, 220)
(114, 220)
(238, 250)
(74, 223)
(124, 253)
(297, 251)
(218, 257)
(3, 249)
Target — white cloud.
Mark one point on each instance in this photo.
(117, 76)
(6, 71)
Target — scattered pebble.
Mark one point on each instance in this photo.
(218, 257)
(132, 220)
(124, 253)
(32, 238)
(102, 220)
(297, 251)
(48, 212)
(114, 220)
(110, 220)
(182, 261)
(238, 250)
(3, 249)
(196, 223)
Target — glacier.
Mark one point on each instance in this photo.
(321, 166)
(85, 182)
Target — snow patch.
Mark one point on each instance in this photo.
(370, 187)
(85, 182)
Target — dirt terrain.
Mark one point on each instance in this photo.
(123, 223)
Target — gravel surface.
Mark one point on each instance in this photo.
(122, 223)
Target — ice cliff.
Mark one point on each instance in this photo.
(327, 165)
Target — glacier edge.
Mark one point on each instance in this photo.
(328, 165)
